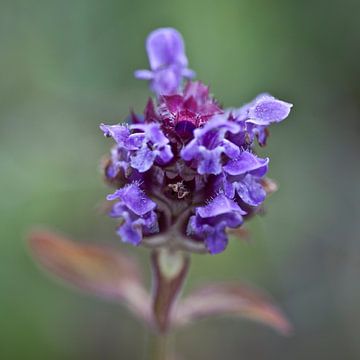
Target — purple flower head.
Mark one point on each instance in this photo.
(196, 162)
(137, 211)
(209, 144)
(210, 221)
(168, 62)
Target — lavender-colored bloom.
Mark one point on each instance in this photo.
(144, 147)
(245, 163)
(120, 133)
(259, 131)
(119, 161)
(150, 145)
(210, 222)
(250, 190)
(209, 144)
(168, 62)
(137, 211)
(243, 176)
(257, 115)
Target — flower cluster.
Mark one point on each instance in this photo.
(186, 169)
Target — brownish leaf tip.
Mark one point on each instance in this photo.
(241, 233)
(232, 299)
(98, 270)
(269, 185)
(59, 253)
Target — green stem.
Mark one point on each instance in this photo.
(161, 347)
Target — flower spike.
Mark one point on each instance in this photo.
(186, 175)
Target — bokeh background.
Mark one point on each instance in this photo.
(67, 65)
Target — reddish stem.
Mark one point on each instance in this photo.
(169, 273)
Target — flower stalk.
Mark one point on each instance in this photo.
(169, 270)
(161, 347)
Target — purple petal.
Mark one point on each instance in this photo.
(150, 223)
(166, 81)
(210, 221)
(130, 233)
(241, 113)
(154, 145)
(245, 163)
(267, 110)
(118, 209)
(217, 240)
(134, 199)
(190, 151)
(168, 62)
(210, 162)
(136, 141)
(152, 132)
(143, 159)
(164, 154)
(144, 74)
(120, 133)
(156, 136)
(230, 149)
(218, 206)
(188, 73)
(261, 132)
(250, 191)
(165, 46)
(209, 144)
(219, 122)
(223, 185)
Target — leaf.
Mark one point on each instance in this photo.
(102, 271)
(231, 299)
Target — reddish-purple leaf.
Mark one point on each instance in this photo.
(102, 271)
(231, 299)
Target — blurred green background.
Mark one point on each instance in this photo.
(66, 66)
